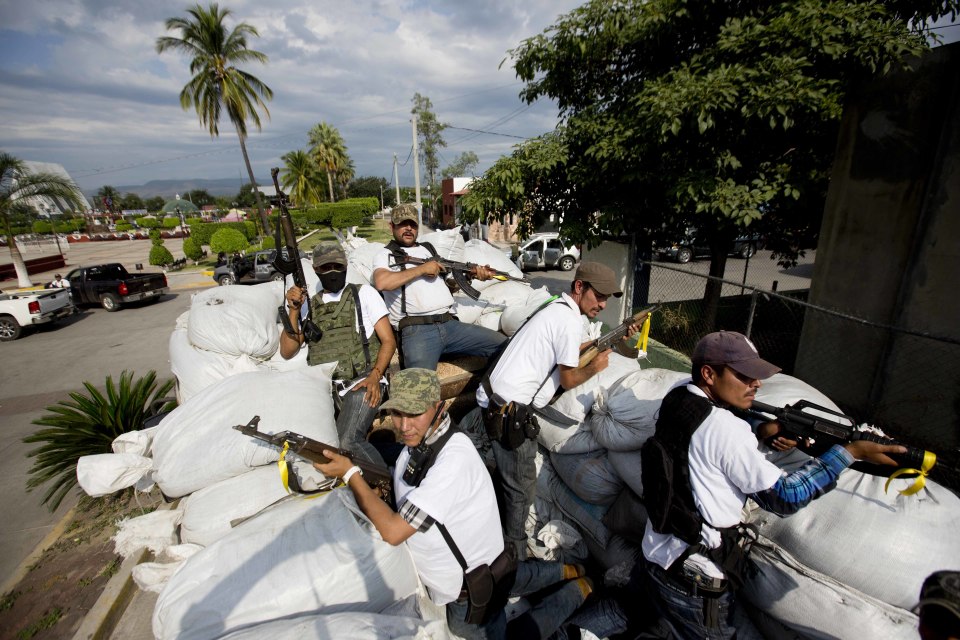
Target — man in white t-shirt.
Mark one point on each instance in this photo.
(362, 353)
(420, 303)
(694, 560)
(441, 482)
(542, 357)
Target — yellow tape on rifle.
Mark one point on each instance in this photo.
(284, 477)
(644, 333)
(929, 459)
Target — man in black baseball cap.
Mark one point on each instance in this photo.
(939, 606)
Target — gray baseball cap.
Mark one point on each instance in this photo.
(413, 391)
(735, 351)
(600, 277)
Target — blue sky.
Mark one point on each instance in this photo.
(81, 84)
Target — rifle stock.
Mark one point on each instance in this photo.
(608, 339)
(312, 450)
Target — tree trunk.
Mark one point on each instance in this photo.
(713, 288)
(253, 183)
(330, 184)
(23, 278)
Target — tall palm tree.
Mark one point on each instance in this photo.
(217, 84)
(328, 150)
(17, 186)
(300, 177)
(346, 172)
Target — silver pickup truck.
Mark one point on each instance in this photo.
(30, 308)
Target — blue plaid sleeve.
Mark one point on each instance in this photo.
(796, 490)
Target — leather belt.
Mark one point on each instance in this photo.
(415, 320)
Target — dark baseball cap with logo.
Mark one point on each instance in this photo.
(600, 277)
(735, 351)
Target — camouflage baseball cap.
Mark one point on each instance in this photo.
(413, 391)
(327, 253)
(403, 212)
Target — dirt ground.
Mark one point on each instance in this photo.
(54, 597)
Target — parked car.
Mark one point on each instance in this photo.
(251, 269)
(31, 308)
(695, 246)
(112, 286)
(546, 251)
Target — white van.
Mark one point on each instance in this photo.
(546, 251)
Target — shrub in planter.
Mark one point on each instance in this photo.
(192, 249)
(160, 256)
(228, 241)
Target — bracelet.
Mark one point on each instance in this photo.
(350, 472)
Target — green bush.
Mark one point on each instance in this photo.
(268, 243)
(192, 249)
(42, 226)
(170, 223)
(203, 231)
(155, 238)
(160, 256)
(228, 240)
(344, 219)
(147, 223)
(124, 226)
(193, 221)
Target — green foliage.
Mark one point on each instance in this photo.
(124, 226)
(147, 223)
(191, 221)
(170, 223)
(41, 226)
(203, 231)
(192, 249)
(301, 179)
(200, 197)
(430, 134)
(155, 238)
(160, 256)
(132, 201)
(154, 204)
(464, 165)
(370, 187)
(269, 242)
(329, 152)
(85, 425)
(228, 240)
(344, 219)
(346, 213)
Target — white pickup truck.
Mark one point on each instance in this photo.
(26, 308)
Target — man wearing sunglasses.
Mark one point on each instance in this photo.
(542, 357)
(355, 332)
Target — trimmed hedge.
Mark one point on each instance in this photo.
(124, 226)
(192, 249)
(228, 240)
(346, 213)
(160, 256)
(170, 223)
(147, 223)
(204, 231)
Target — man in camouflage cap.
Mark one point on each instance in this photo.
(420, 303)
(362, 353)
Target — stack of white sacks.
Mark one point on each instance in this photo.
(239, 558)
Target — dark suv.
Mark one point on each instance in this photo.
(694, 246)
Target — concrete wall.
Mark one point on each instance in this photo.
(889, 252)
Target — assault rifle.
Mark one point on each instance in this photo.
(805, 419)
(461, 272)
(291, 264)
(376, 476)
(609, 339)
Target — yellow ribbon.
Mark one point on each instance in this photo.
(644, 333)
(285, 478)
(929, 459)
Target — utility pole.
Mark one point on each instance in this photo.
(396, 181)
(416, 172)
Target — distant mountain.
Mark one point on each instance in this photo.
(170, 188)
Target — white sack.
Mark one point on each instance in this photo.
(468, 310)
(481, 252)
(506, 293)
(360, 261)
(308, 274)
(196, 445)
(155, 531)
(278, 363)
(515, 315)
(348, 625)
(448, 244)
(238, 320)
(196, 369)
(881, 544)
(781, 389)
(208, 514)
(301, 556)
(625, 415)
(139, 442)
(153, 576)
(489, 321)
(627, 466)
(589, 475)
(105, 473)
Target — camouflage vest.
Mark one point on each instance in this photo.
(341, 342)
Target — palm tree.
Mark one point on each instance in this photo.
(300, 178)
(328, 150)
(17, 187)
(217, 84)
(346, 172)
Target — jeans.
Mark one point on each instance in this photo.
(423, 344)
(541, 621)
(353, 423)
(518, 480)
(685, 611)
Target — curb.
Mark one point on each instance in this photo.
(24, 567)
(106, 612)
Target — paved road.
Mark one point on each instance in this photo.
(42, 368)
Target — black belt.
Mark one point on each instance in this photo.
(415, 320)
(693, 583)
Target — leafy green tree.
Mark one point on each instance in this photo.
(41, 226)
(300, 178)
(371, 187)
(465, 164)
(328, 150)
(132, 201)
(160, 256)
(245, 197)
(154, 204)
(107, 199)
(17, 187)
(200, 197)
(430, 135)
(87, 424)
(228, 241)
(717, 113)
(217, 84)
(192, 249)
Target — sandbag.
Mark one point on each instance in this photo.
(881, 544)
(139, 442)
(781, 389)
(237, 320)
(360, 260)
(155, 531)
(105, 473)
(468, 310)
(196, 445)
(587, 517)
(153, 576)
(196, 369)
(627, 465)
(448, 244)
(589, 475)
(570, 439)
(489, 321)
(506, 293)
(515, 315)
(316, 556)
(348, 625)
(481, 252)
(625, 415)
(209, 514)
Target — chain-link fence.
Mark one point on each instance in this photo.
(903, 381)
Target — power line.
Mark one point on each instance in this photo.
(490, 133)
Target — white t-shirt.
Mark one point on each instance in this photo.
(725, 467)
(372, 306)
(457, 491)
(552, 337)
(425, 296)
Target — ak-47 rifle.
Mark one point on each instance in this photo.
(609, 339)
(377, 477)
(461, 272)
(291, 264)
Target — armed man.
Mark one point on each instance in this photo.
(692, 545)
(448, 518)
(355, 333)
(542, 357)
(420, 303)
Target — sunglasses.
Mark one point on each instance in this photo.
(328, 268)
